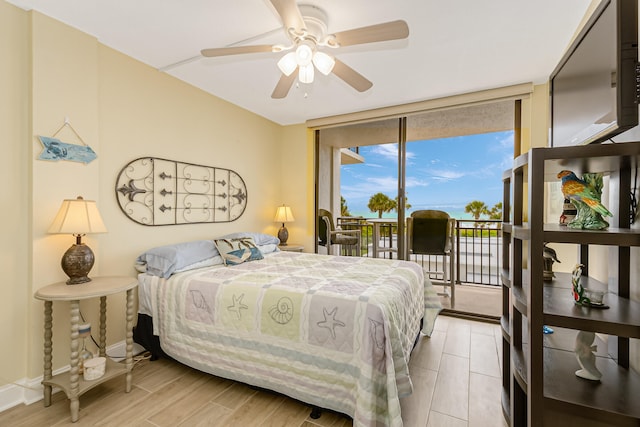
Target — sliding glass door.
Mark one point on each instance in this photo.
(378, 169)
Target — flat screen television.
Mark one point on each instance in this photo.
(593, 88)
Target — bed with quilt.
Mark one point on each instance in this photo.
(335, 332)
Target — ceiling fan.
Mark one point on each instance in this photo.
(306, 28)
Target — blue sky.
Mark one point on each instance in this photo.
(443, 174)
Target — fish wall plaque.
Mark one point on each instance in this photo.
(54, 149)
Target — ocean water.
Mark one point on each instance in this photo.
(453, 213)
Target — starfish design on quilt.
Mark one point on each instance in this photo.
(238, 305)
(330, 322)
(199, 301)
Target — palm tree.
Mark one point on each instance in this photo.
(476, 208)
(344, 209)
(407, 205)
(381, 203)
(496, 211)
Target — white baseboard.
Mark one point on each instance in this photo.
(27, 391)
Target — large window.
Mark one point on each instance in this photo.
(382, 159)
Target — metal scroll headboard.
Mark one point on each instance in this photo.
(153, 191)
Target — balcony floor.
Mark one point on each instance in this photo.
(474, 301)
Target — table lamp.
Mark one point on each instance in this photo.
(283, 214)
(78, 217)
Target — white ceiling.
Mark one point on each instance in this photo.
(454, 46)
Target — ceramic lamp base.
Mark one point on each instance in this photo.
(283, 235)
(77, 262)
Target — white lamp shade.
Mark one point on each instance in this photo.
(288, 64)
(78, 216)
(284, 214)
(304, 54)
(323, 62)
(306, 73)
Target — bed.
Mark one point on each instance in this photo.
(335, 332)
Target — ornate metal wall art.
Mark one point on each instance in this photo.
(153, 191)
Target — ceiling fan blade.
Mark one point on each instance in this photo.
(290, 14)
(351, 76)
(283, 86)
(393, 30)
(236, 50)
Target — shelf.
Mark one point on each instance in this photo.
(521, 232)
(556, 233)
(519, 365)
(616, 393)
(596, 158)
(559, 308)
(519, 298)
(63, 380)
(504, 277)
(505, 328)
(621, 319)
(542, 368)
(611, 236)
(506, 404)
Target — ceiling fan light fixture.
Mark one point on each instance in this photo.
(305, 74)
(323, 62)
(288, 64)
(304, 54)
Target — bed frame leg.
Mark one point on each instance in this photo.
(315, 412)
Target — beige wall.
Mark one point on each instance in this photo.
(123, 109)
(15, 202)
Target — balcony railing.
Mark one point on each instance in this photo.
(478, 246)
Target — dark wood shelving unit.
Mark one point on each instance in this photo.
(540, 387)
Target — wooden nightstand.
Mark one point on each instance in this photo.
(71, 382)
(291, 247)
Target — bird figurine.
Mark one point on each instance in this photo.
(584, 350)
(550, 253)
(576, 189)
(550, 257)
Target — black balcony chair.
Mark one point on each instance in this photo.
(431, 232)
(328, 235)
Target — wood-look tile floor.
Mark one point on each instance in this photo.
(455, 373)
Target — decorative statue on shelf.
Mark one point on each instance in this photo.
(585, 353)
(585, 195)
(579, 293)
(584, 347)
(568, 212)
(550, 257)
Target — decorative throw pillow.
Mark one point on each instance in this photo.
(236, 251)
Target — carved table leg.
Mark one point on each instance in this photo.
(48, 349)
(103, 326)
(74, 378)
(129, 340)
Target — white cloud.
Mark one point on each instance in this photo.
(370, 186)
(445, 174)
(507, 141)
(411, 181)
(374, 165)
(390, 151)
